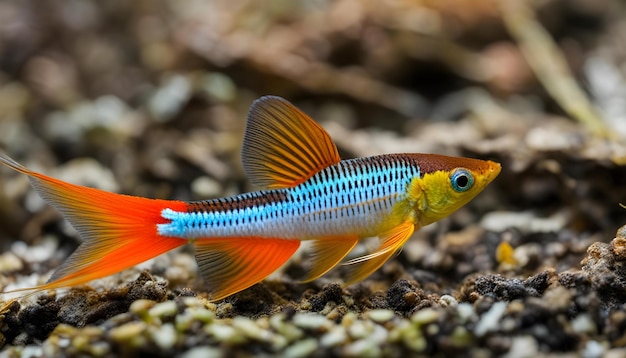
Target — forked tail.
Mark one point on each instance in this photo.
(118, 231)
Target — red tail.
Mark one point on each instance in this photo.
(118, 231)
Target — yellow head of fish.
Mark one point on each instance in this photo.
(446, 184)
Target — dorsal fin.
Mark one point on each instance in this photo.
(282, 146)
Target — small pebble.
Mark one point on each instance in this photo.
(168, 100)
(164, 309)
(334, 337)
(311, 321)
(224, 333)
(127, 332)
(379, 335)
(285, 329)
(522, 347)
(303, 348)
(425, 316)
(362, 348)
(164, 336)
(447, 301)
(360, 329)
(593, 349)
(380, 315)
(460, 337)
(203, 352)
(465, 311)
(250, 329)
(490, 320)
(583, 323)
(9, 262)
(205, 187)
(219, 86)
(141, 306)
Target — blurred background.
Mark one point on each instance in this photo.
(150, 97)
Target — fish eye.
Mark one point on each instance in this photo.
(461, 180)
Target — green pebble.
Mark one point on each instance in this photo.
(414, 340)
(460, 337)
(80, 342)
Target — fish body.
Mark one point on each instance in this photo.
(354, 196)
(308, 193)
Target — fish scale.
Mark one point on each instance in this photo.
(353, 196)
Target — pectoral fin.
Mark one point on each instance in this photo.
(230, 265)
(361, 267)
(326, 253)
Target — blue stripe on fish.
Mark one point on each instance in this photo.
(353, 196)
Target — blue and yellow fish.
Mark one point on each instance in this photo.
(309, 193)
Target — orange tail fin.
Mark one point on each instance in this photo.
(118, 231)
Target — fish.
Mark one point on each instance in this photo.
(306, 193)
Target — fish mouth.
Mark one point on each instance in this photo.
(492, 171)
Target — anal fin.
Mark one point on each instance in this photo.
(391, 241)
(230, 265)
(326, 253)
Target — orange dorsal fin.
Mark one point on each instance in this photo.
(282, 146)
(118, 231)
(391, 241)
(230, 265)
(326, 253)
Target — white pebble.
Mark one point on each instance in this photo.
(164, 336)
(203, 352)
(206, 187)
(311, 321)
(380, 315)
(167, 308)
(362, 348)
(223, 333)
(379, 335)
(334, 337)
(522, 347)
(9, 262)
(360, 329)
(447, 301)
(489, 321)
(425, 316)
(302, 348)
(593, 349)
(465, 311)
(583, 323)
(249, 328)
